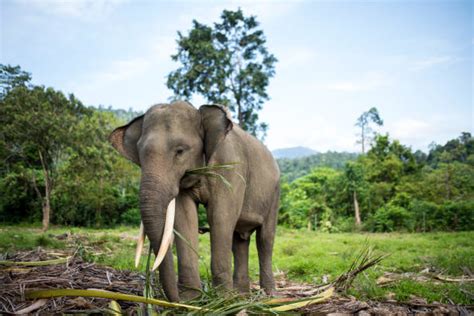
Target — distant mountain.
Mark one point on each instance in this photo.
(293, 152)
(294, 168)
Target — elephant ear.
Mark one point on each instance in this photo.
(216, 123)
(125, 139)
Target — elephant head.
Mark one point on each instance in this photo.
(165, 142)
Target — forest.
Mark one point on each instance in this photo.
(56, 160)
(391, 188)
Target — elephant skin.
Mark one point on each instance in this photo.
(170, 139)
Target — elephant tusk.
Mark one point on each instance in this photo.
(140, 242)
(167, 234)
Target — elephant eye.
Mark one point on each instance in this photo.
(181, 149)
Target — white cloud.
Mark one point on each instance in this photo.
(85, 9)
(123, 69)
(430, 62)
(264, 10)
(409, 128)
(163, 47)
(294, 57)
(365, 82)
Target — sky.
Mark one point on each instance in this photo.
(412, 60)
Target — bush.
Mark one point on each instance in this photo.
(131, 217)
(458, 215)
(344, 224)
(454, 216)
(390, 218)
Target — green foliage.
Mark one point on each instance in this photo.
(390, 218)
(11, 77)
(395, 190)
(306, 201)
(131, 217)
(96, 185)
(56, 154)
(124, 116)
(227, 64)
(292, 169)
(460, 149)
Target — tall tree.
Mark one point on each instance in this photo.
(354, 175)
(35, 124)
(363, 122)
(227, 64)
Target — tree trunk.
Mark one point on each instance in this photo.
(46, 213)
(356, 210)
(47, 194)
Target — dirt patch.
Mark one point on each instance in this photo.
(75, 273)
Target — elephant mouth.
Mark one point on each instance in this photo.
(166, 241)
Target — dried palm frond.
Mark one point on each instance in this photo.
(296, 304)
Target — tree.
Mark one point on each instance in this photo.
(35, 124)
(227, 64)
(363, 122)
(355, 181)
(306, 201)
(93, 181)
(11, 77)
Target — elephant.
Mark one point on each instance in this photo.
(166, 142)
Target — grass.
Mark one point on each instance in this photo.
(303, 256)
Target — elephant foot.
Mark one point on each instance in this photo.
(187, 294)
(269, 290)
(242, 286)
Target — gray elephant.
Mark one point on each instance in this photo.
(170, 139)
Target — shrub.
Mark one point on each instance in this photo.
(458, 215)
(424, 215)
(390, 218)
(454, 216)
(131, 217)
(344, 224)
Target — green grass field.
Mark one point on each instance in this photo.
(301, 256)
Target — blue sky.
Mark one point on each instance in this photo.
(410, 59)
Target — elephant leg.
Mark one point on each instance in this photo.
(265, 239)
(221, 255)
(168, 277)
(265, 249)
(240, 248)
(186, 224)
(222, 216)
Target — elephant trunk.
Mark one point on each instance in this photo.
(155, 197)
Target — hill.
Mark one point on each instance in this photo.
(297, 167)
(293, 152)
